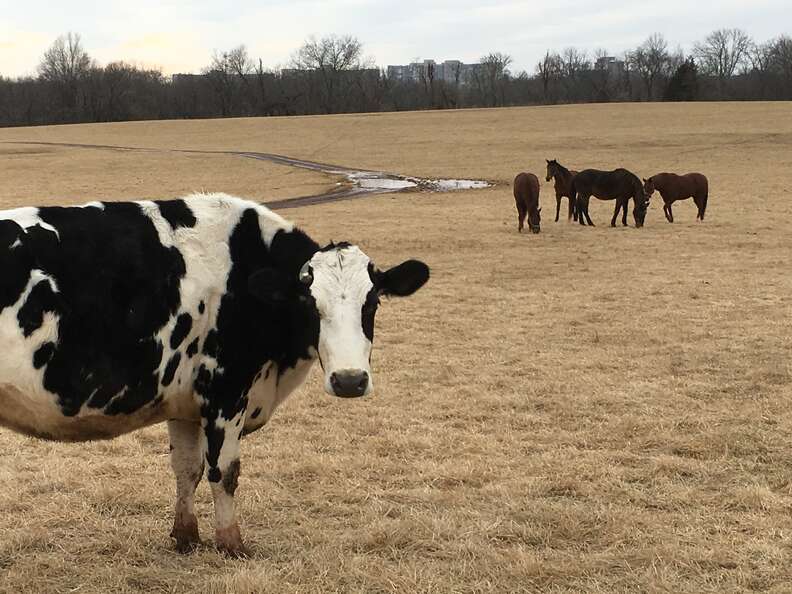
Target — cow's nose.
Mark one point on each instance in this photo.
(349, 383)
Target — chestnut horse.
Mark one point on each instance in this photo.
(526, 195)
(619, 185)
(673, 187)
(563, 186)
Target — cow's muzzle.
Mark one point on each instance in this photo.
(350, 383)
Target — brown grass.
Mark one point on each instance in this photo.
(586, 410)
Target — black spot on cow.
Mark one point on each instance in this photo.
(203, 381)
(231, 477)
(177, 213)
(210, 346)
(255, 413)
(180, 330)
(201, 307)
(192, 348)
(214, 475)
(15, 263)
(43, 354)
(121, 286)
(369, 310)
(170, 369)
(41, 299)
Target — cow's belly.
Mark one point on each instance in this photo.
(39, 415)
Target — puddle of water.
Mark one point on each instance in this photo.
(364, 180)
(449, 185)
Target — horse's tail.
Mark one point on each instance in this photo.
(703, 205)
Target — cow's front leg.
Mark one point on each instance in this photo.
(186, 458)
(222, 460)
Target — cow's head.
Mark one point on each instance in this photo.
(340, 286)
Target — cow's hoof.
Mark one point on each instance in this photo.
(229, 542)
(185, 533)
(185, 547)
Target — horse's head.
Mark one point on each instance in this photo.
(552, 167)
(648, 187)
(534, 218)
(639, 211)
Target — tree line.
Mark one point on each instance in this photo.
(332, 75)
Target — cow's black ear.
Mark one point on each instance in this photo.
(268, 285)
(404, 279)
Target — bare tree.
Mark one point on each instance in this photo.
(65, 61)
(548, 70)
(494, 72)
(782, 61)
(574, 63)
(239, 62)
(65, 64)
(651, 61)
(722, 52)
(329, 58)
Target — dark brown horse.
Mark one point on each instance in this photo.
(563, 186)
(619, 185)
(673, 187)
(526, 195)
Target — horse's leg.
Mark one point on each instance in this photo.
(624, 212)
(585, 211)
(572, 213)
(580, 209)
(521, 212)
(558, 205)
(666, 207)
(670, 213)
(699, 206)
(616, 212)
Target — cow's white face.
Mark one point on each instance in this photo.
(346, 301)
(345, 287)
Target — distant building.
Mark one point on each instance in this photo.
(450, 71)
(610, 64)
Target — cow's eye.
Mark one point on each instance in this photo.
(306, 275)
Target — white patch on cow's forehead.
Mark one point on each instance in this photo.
(340, 275)
(343, 265)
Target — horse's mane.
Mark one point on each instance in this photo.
(561, 168)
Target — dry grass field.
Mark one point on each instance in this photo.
(584, 410)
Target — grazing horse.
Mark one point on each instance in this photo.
(619, 185)
(526, 195)
(673, 187)
(563, 186)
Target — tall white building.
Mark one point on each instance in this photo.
(449, 71)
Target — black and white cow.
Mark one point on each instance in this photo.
(205, 312)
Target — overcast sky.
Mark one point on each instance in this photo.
(180, 35)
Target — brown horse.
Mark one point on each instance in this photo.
(526, 195)
(673, 187)
(563, 186)
(619, 185)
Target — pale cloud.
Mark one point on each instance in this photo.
(180, 35)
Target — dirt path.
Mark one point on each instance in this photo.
(359, 182)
